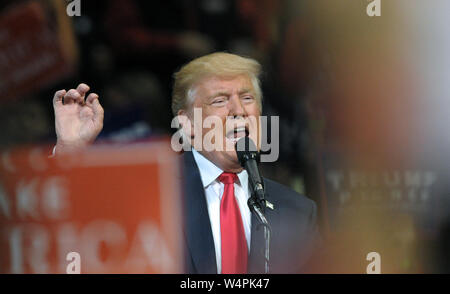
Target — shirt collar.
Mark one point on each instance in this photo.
(209, 172)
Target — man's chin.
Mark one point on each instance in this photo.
(228, 161)
(233, 160)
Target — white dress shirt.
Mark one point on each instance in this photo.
(209, 174)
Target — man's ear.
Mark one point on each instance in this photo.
(186, 124)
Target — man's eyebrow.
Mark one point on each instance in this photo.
(245, 91)
(224, 93)
(220, 93)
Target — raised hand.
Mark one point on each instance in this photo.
(78, 121)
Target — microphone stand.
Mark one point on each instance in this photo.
(256, 206)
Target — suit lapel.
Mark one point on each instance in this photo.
(199, 237)
(256, 258)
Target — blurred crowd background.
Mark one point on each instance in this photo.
(363, 101)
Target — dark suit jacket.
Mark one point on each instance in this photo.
(293, 222)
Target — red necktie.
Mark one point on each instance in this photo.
(234, 245)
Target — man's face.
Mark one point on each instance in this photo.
(233, 103)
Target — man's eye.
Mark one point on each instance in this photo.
(248, 98)
(219, 101)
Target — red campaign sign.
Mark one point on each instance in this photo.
(106, 210)
(35, 49)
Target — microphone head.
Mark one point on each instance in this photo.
(245, 150)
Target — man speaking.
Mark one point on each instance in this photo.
(222, 235)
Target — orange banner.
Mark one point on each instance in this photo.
(106, 210)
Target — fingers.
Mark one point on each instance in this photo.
(94, 104)
(90, 99)
(73, 96)
(82, 89)
(63, 97)
(57, 99)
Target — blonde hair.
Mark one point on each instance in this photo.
(219, 64)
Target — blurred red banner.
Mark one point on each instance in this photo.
(117, 208)
(36, 49)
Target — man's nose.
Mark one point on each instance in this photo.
(236, 107)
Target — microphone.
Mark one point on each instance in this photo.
(248, 156)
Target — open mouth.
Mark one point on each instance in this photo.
(237, 133)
